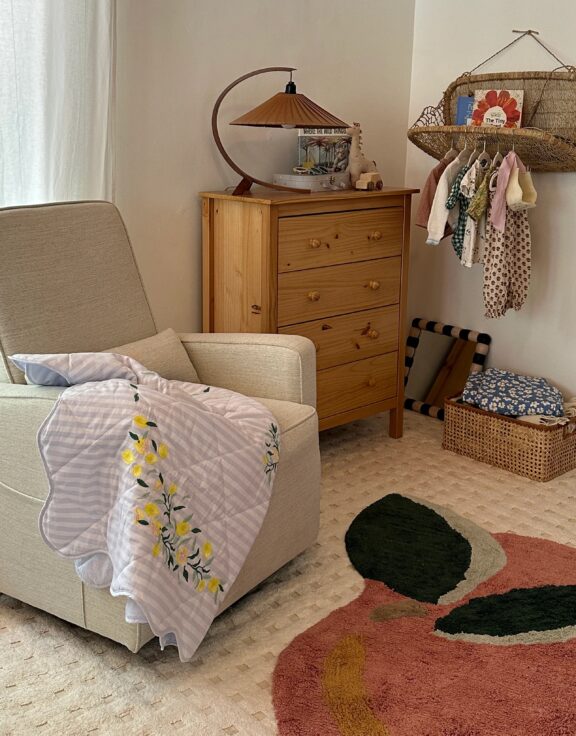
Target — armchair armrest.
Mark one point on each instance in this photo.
(22, 411)
(269, 366)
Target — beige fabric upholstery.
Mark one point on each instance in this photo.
(270, 366)
(162, 353)
(68, 282)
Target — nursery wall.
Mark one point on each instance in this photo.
(174, 59)
(541, 338)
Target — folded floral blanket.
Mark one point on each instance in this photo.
(158, 488)
(508, 393)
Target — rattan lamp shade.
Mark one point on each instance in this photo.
(293, 110)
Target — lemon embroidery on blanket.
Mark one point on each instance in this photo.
(272, 455)
(174, 538)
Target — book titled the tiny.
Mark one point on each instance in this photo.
(464, 107)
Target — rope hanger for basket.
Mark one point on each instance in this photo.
(522, 35)
(533, 34)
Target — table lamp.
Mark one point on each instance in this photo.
(287, 109)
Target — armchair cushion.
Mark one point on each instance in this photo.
(162, 353)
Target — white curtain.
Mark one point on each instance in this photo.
(56, 95)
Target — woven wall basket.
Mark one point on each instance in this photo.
(547, 142)
(531, 450)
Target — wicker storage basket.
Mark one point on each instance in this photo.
(531, 450)
(547, 140)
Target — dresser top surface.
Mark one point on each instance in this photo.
(260, 195)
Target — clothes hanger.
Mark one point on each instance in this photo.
(484, 158)
(498, 158)
(452, 151)
(473, 156)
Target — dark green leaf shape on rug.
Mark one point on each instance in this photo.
(515, 612)
(409, 547)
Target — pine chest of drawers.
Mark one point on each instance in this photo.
(330, 266)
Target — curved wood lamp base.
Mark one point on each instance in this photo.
(247, 180)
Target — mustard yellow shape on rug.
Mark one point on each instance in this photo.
(344, 691)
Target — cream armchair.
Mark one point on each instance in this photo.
(69, 283)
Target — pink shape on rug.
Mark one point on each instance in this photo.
(420, 684)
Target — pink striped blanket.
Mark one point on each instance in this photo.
(158, 488)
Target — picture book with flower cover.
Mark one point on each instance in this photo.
(501, 108)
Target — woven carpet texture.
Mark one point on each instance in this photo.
(57, 679)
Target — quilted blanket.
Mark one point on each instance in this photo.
(157, 488)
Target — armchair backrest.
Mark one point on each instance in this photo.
(68, 282)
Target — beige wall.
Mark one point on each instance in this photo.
(541, 338)
(175, 57)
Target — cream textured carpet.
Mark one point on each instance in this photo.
(58, 679)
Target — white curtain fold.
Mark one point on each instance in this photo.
(56, 100)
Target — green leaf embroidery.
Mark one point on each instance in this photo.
(151, 424)
(134, 436)
(142, 483)
(143, 522)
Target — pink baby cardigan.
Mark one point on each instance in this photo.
(498, 207)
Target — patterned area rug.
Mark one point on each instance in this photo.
(458, 632)
(59, 680)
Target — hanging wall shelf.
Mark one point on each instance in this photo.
(547, 140)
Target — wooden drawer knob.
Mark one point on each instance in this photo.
(372, 334)
(313, 296)
(315, 243)
(376, 235)
(371, 382)
(374, 285)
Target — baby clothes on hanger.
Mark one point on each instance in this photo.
(498, 201)
(456, 197)
(439, 215)
(479, 203)
(507, 261)
(429, 190)
(474, 233)
(520, 192)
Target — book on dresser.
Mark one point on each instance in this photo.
(331, 266)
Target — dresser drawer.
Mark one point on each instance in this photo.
(351, 336)
(323, 292)
(356, 384)
(326, 240)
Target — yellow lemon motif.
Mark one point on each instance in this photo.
(141, 445)
(172, 488)
(156, 549)
(163, 450)
(157, 526)
(207, 549)
(140, 421)
(158, 484)
(181, 555)
(138, 515)
(213, 584)
(201, 585)
(128, 456)
(150, 458)
(136, 470)
(151, 509)
(182, 528)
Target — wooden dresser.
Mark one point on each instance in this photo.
(331, 266)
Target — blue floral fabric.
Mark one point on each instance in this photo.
(508, 393)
